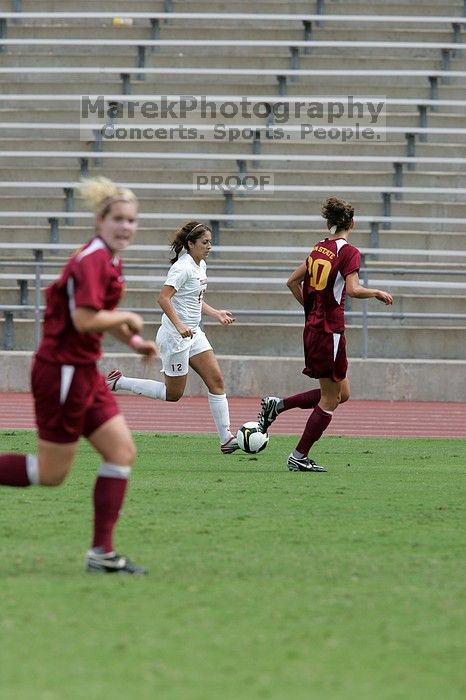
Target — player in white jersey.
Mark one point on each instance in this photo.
(181, 341)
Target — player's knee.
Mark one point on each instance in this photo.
(216, 385)
(52, 479)
(128, 454)
(344, 396)
(122, 452)
(173, 395)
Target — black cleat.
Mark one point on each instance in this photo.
(303, 465)
(268, 412)
(111, 563)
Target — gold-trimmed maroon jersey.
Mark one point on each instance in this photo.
(92, 278)
(324, 288)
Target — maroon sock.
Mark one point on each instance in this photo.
(13, 470)
(109, 495)
(316, 424)
(308, 399)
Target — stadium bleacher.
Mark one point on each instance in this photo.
(407, 181)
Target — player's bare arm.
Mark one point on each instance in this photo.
(355, 289)
(88, 320)
(164, 301)
(147, 348)
(295, 282)
(222, 315)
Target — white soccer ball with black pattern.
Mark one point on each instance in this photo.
(250, 439)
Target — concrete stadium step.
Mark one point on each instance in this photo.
(385, 341)
(330, 7)
(329, 32)
(419, 90)
(286, 340)
(69, 56)
(389, 238)
(144, 298)
(178, 57)
(197, 56)
(190, 204)
(228, 141)
(192, 29)
(261, 234)
(283, 300)
(156, 233)
(380, 59)
(398, 7)
(281, 205)
(322, 57)
(94, 85)
(396, 115)
(255, 267)
(399, 86)
(117, 6)
(283, 175)
(447, 206)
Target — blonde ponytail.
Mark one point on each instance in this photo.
(100, 193)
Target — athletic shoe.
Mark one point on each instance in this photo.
(112, 379)
(230, 446)
(111, 563)
(303, 465)
(268, 412)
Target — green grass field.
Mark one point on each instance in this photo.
(263, 583)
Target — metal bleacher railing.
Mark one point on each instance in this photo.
(230, 191)
(169, 15)
(447, 50)
(144, 273)
(53, 218)
(281, 75)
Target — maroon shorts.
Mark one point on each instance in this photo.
(324, 354)
(70, 400)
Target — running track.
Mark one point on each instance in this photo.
(191, 415)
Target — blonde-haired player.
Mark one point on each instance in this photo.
(70, 395)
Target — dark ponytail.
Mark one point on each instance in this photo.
(191, 231)
(338, 213)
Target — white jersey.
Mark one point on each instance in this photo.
(190, 281)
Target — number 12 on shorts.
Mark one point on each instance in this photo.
(177, 367)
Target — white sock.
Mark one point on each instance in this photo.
(218, 405)
(32, 469)
(114, 471)
(143, 387)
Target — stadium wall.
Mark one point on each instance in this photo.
(372, 379)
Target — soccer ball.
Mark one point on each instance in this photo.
(250, 439)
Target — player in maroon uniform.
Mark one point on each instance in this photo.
(71, 397)
(320, 285)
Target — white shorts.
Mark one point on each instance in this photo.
(176, 351)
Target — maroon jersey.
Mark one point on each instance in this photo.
(324, 291)
(92, 278)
